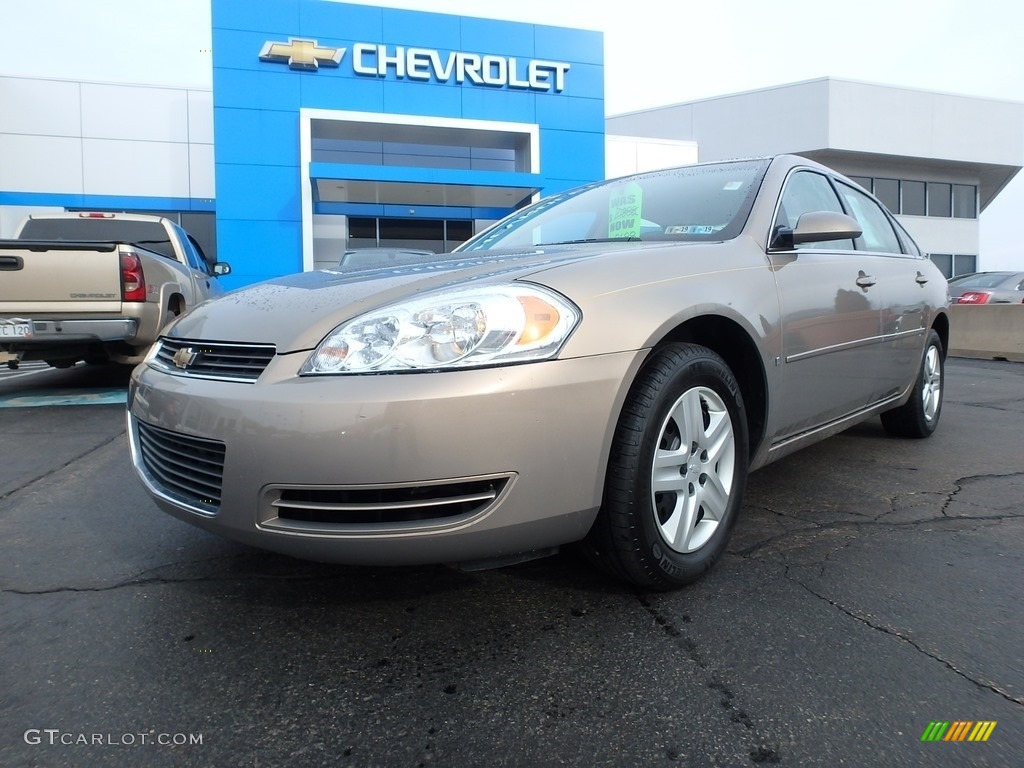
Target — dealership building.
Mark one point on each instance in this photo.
(331, 126)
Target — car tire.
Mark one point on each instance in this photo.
(682, 430)
(919, 416)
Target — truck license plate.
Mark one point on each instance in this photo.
(15, 329)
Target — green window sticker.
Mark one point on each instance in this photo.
(624, 211)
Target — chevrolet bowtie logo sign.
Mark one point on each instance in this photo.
(184, 357)
(302, 54)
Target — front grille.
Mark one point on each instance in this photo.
(214, 359)
(186, 468)
(352, 508)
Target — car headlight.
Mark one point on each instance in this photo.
(455, 328)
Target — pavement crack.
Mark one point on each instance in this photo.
(142, 580)
(959, 483)
(1019, 700)
(29, 483)
(942, 516)
(762, 751)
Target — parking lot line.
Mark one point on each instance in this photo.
(59, 397)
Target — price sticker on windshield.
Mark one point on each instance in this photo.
(624, 211)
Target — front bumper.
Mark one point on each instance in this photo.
(538, 434)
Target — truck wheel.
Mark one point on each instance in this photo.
(676, 473)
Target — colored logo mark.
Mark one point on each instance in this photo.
(958, 730)
(302, 54)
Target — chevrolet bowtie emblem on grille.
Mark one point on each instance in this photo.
(302, 54)
(184, 357)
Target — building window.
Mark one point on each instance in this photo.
(940, 199)
(954, 265)
(888, 191)
(418, 146)
(919, 198)
(944, 261)
(438, 235)
(964, 264)
(912, 198)
(863, 181)
(965, 201)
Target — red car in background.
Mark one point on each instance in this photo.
(987, 288)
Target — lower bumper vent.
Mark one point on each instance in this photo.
(355, 508)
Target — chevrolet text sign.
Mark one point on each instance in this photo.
(424, 64)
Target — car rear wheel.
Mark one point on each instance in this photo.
(919, 416)
(676, 473)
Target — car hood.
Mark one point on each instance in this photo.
(295, 312)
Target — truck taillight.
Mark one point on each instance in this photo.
(974, 297)
(133, 281)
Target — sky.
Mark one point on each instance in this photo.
(656, 52)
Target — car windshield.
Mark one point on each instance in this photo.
(983, 280)
(694, 203)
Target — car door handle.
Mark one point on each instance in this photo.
(865, 281)
(921, 279)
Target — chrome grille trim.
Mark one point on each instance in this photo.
(375, 509)
(222, 361)
(184, 469)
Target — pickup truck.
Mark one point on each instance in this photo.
(97, 287)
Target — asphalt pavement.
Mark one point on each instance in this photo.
(873, 587)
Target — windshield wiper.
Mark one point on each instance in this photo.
(630, 239)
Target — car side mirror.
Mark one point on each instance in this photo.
(818, 226)
(815, 227)
(221, 268)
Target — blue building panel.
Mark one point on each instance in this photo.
(585, 81)
(257, 89)
(274, 243)
(573, 45)
(355, 94)
(460, 69)
(570, 113)
(105, 202)
(258, 193)
(319, 19)
(265, 137)
(516, 39)
(582, 155)
(249, 15)
(422, 30)
(404, 98)
(500, 105)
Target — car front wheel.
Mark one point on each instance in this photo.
(676, 473)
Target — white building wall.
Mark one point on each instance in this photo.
(768, 122)
(629, 154)
(923, 124)
(935, 235)
(65, 137)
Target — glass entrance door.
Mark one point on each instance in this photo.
(437, 235)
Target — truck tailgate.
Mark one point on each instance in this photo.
(46, 276)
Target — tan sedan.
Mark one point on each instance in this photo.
(604, 367)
